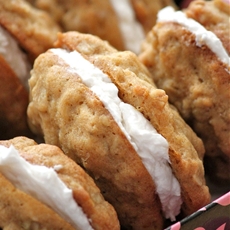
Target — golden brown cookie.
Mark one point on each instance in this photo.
(146, 11)
(213, 16)
(188, 56)
(25, 32)
(122, 23)
(25, 207)
(34, 30)
(30, 213)
(128, 154)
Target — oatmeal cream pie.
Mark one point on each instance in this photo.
(187, 53)
(103, 110)
(41, 188)
(25, 32)
(123, 23)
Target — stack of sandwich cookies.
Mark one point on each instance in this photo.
(44, 189)
(187, 53)
(101, 107)
(25, 32)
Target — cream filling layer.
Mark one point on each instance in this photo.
(131, 30)
(43, 184)
(203, 36)
(14, 56)
(150, 145)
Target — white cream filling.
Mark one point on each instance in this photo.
(14, 56)
(43, 184)
(131, 30)
(151, 146)
(203, 36)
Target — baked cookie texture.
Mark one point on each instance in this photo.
(106, 18)
(31, 214)
(32, 31)
(195, 78)
(20, 210)
(71, 116)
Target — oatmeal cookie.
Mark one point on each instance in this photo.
(103, 110)
(25, 32)
(122, 23)
(52, 192)
(187, 53)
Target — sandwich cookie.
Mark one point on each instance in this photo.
(44, 189)
(123, 23)
(25, 32)
(187, 53)
(103, 110)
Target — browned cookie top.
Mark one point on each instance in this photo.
(33, 29)
(214, 16)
